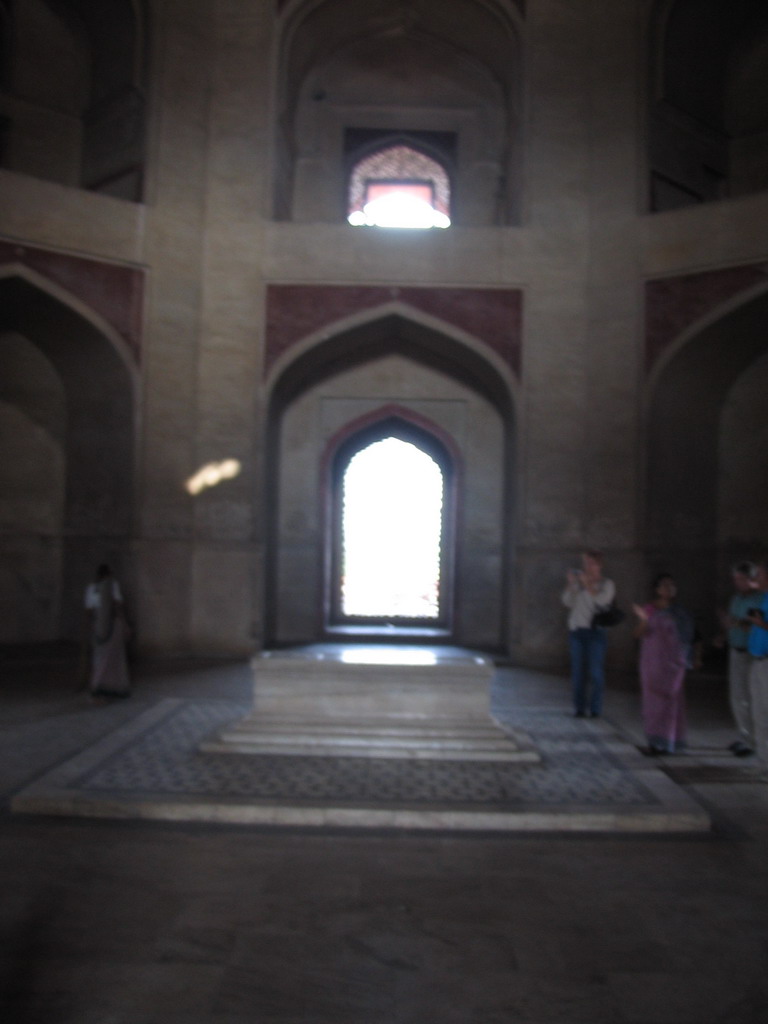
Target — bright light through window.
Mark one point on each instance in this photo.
(399, 187)
(399, 209)
(391, 532)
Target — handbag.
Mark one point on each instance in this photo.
(612, 615)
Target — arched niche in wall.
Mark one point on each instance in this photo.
(32, 490)
(708, 132)
(330, 387)
(743, 460)
(402, 69)
(704, 457)
(72, 96)
(69, 391)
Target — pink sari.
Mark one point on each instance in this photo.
(663, 663)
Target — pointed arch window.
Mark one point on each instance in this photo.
(391, 499)
(399, 187)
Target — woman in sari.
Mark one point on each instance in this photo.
(108, 675)
(666, 633)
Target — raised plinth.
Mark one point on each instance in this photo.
(373, 702)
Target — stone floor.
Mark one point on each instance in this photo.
(135, 922)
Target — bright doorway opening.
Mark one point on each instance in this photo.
(391, 543)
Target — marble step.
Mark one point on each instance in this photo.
(372, 739)
(294, 747)
(392, 726)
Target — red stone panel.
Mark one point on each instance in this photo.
(492, 315)
(673, 304)
(114, 292)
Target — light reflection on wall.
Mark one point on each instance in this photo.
(212, 474)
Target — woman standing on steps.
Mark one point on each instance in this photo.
(666, 632)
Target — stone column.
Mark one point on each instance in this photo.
(226, 570)
(582, 311)
(176, 211)
(199, 556)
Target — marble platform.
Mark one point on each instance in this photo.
(584, 776)
(385, 702)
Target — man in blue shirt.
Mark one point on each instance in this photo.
(737, 626)
(757, 645)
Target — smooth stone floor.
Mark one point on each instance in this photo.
(125, 922)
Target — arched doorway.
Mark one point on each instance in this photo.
(67, 418)
(389, 376)
(707, 492)
(391, 527)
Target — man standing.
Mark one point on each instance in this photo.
(757, 645)
(737, 626)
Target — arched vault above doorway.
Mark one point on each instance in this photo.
(477, 331)
(395, 333)
(326, 390)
